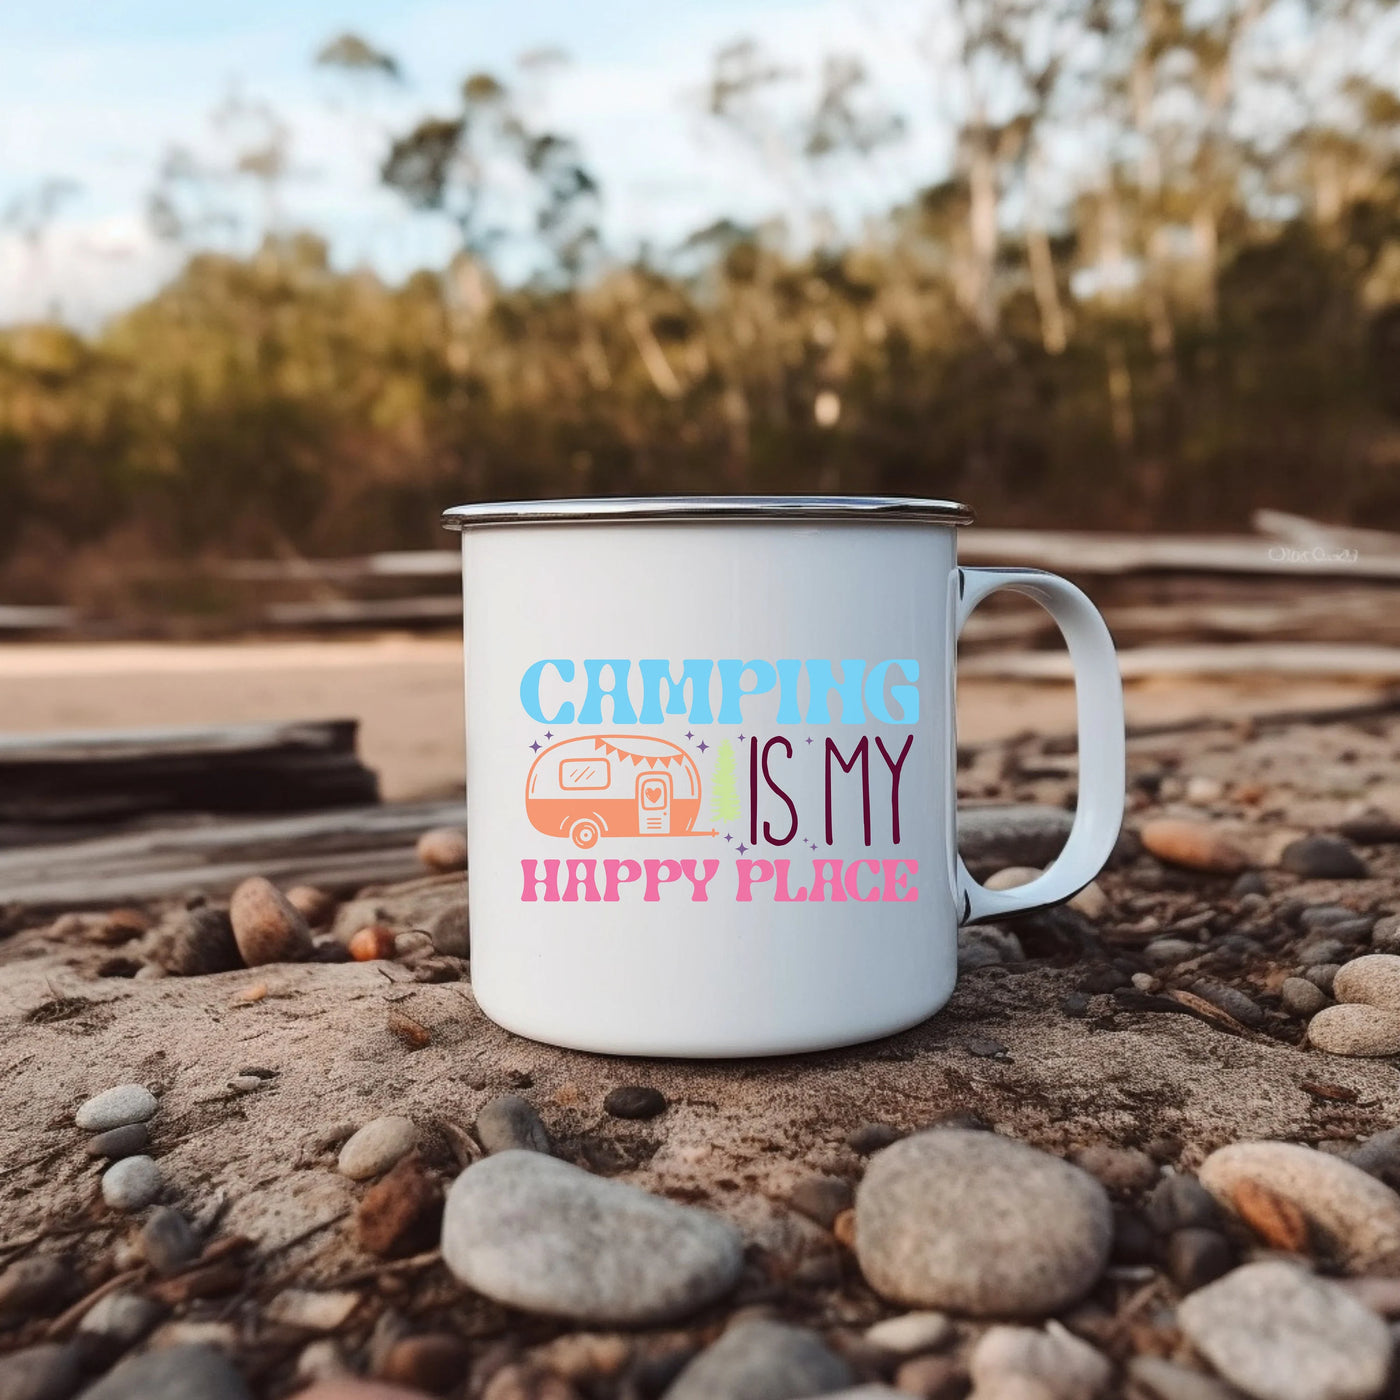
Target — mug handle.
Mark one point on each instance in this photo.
(1098, 690)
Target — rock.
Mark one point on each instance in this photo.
(47, 1372)
(116, 1108)
(1250, 883)
(1379, 1156)
(267, 928)
(1012, 835)
(401, 1214)
(1193, 846)
(1091, 901)
(1180, 1202)
(821, 1198)
(1197, 1257)
(1162, 952)
(123, 1317)
(222, 1336)
(126, 1141)
(1373, 979)
(1013, 877)
(871, 1137)
(432, 1361)
(1300, 997)
(167, 1242)
(1279, 1333)
(1355, 1029)
(314, 905)
(911, 1333)
(634, 1101)
(1155, 1378)
(1317, 952)
(760, 1360)
(376, 1147)
(1318, 916)
(443, 849)
(349, 1389)
(1121, 1169)
(1381, 1295)
(132, 1183)
(536, 1233)
(373, 943)
(980, 1224)
(197, 942)
(933, 1378)
(322, 1360)
(1062, 1365)
(1351, 1217)
(1323, 858)
(986, 945)
(32, 1285)
(450, 930)
(1323, 976)
(312, 1310)
(177, 1373)
(509, 1123)
(1385, 934)
(1233, 1002)
(1371, 828)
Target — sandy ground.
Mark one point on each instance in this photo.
(407, 693)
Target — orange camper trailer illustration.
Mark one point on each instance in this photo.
(613, 785)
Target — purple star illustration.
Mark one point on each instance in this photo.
(536, 746)
(741, 848)
(809, 738)
(703, 746)
(741, 738)
(689, 735)
(727, 836)
(548, 735)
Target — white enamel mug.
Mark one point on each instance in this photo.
(711, 767)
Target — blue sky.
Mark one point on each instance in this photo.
(96, 94)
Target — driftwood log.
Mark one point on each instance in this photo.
(88, 777)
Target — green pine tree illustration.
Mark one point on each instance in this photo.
(724, 795)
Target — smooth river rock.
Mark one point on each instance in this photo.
(1373, 979)
(980, 1224)
(1351, 1217)
(762, 1360)
(376, 1147)
(176, 1373)
(1351, 1028)
(50, 1371)
(115, 1108)
(132, 1183)
(533, 1232)
(1055, 1360)
(1279, 1333)
(267, 927)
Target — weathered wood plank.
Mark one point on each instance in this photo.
(1238, 658)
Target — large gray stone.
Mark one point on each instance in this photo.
(762, 1360)
(1013, 835)
(1279, 1333)
(980, 1224)
(115, 1108)
(533, 1232)
(177, 1373)
(46, 1372)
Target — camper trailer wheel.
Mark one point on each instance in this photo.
(584, 833)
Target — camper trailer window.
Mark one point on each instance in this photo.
(583, 773)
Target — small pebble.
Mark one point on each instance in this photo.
(373, 943)
(132, 1183)
(933, 1228)
(116, 1108)
(1075, 1004)
(1348, 1213)
(1250, 883)
(126, 1141)
(1012, 877)
(450, 930)
(1299, 997)
(932, 1378)
(1193, 846)
(1379, 1156)
(510, 1122)
(1280, 1333)
(123, 1317)
(1323, 858)
(313, 1310)
(323, 1360)
(1155, 1378)
(247, 1083)
(178, 1373)
(1385, 934)
(314, 905)
(198, 942)
(402, 1213)
(1354, 1029)
(532, 1232)
(50, 1371)
(267, 928)
(1373, 979)
(821, 1198)
(1197, 1257)
(1164, 951)
(1122, 1169)
(433, 1361)
(1317, 916)
(351, 1389)
(443, 849)
(167, 1242)
(1058, 1365)
(33, 1284)
(1233, 1002)
(911, 1333)
(1323, 976)
(1318, 952)
(761, 1360)
(871, 1137)
(634, 1101)
(376, 1147)
(1091, 901)
(1180, 1202)
(987, 946)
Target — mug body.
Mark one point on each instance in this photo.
(710, 779)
